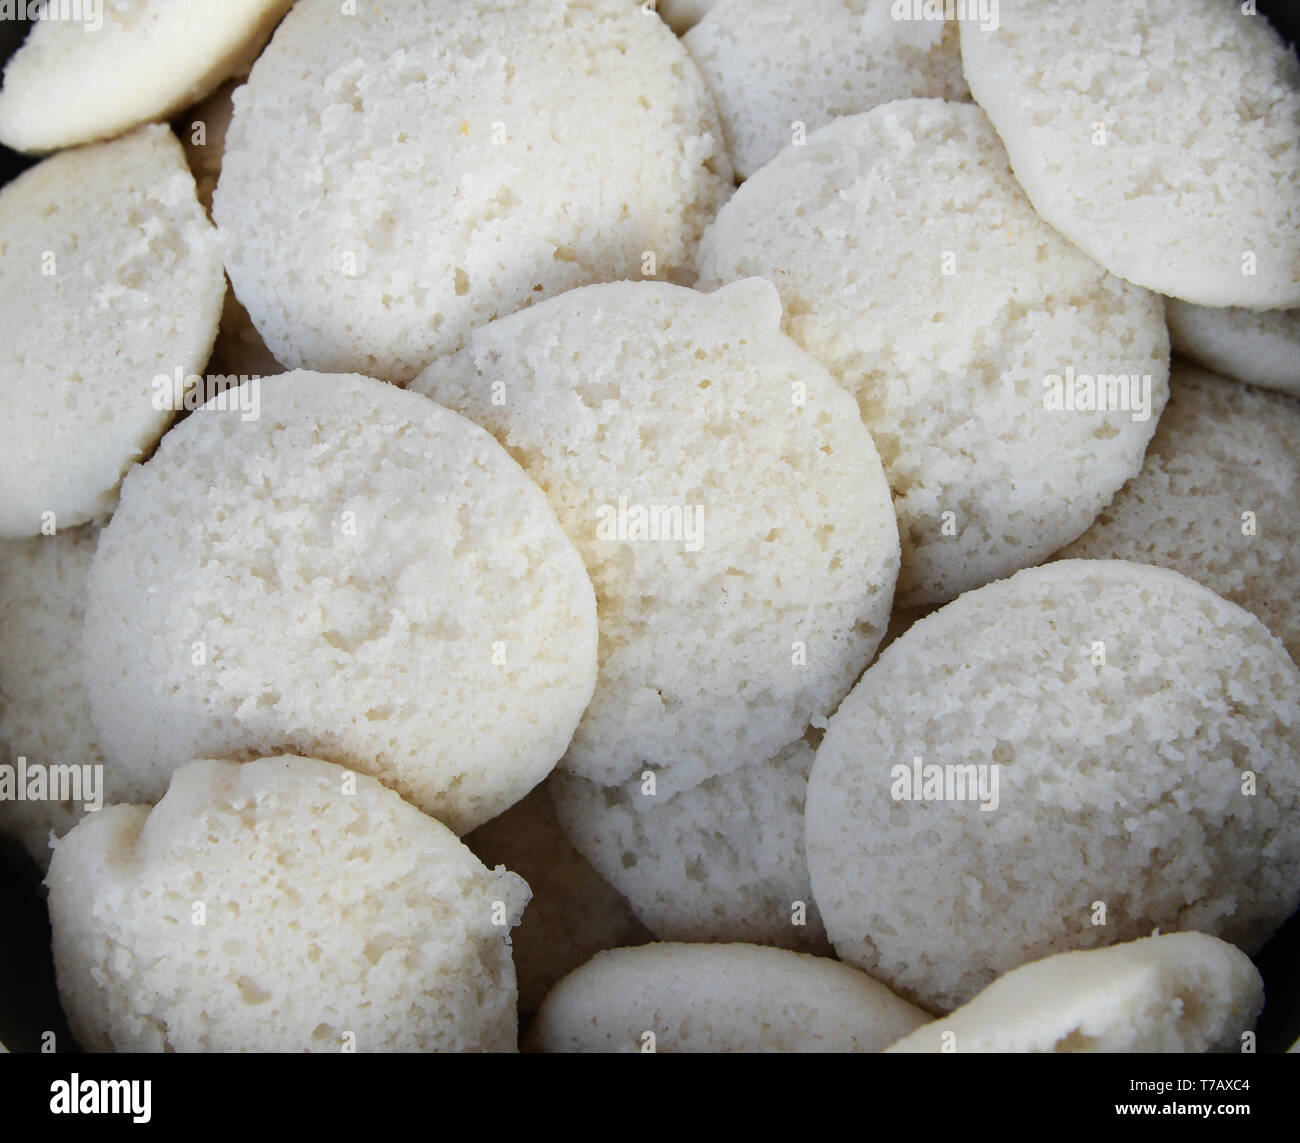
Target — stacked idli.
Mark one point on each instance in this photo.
(1063, 760)
(727, 500)
(356, 574)
(302, 908)
(910, 262)
(1164, 145)
(590, 594)
(448, 170)
(112, 290)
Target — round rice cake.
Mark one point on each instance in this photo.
(728, 501)
(1164, 142)
(460, 161)
(910, 263)
(356, 574)
(297, 907)
(718, 998)
(1181, 992)
(721, 862)
(110, 279)
(780, 69)
(1137, 741)
(1259, 347)
(1216, 498)
(44, 709)
(574, 913)
(127, 62)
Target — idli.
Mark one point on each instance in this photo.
(283, 905)
(356, 574)
(728, 501)
(1010, 383)
(1066, 759)
(1162, 138)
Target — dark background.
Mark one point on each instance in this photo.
(29, 1003)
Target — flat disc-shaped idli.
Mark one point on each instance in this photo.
(779, 69)
(110, 279)
(718, 998)
(357, 574)
(44, 707)
(125, 62)
(1136, 741)
(723, 861)
(1181, 992)
(1162, 138)
(1216, 498)
(972, 334)
(1258, 347)
(395, 176)
(728, 501)
(282, 905)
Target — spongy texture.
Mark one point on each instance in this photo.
(1181, 992)
(281, 905)
(72, 82)
(721, 862)
(239, 348)
(718, 998)
(912, 265)
(1258, 347)
(1164, 142)
(358, 575)
(1124, 706)
(772, 64)
(110, 276)
(767, 592)
(44, 710)
(682, 15)
(452, 162)
(1216, 498)
(574, 913)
